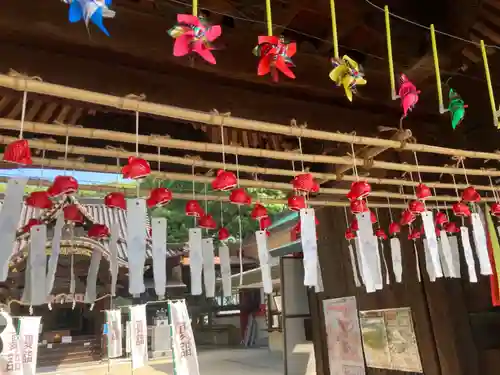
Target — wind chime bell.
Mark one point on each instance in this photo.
(136, 168)
(159, 197)
(18, 152)
(259, 212)
(98, 231)
(194, 209)
(240, 197)
(63, 185)
(207, 222)
(39, 199)
(115, 200)
(224, 181)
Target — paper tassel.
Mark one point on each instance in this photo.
(432, 244)
(265, 268)
(10, 215)
(195, 260)
(417, 263)
(353, 265)
(455, 253)
(136, 244)
(72, 279)
(54, 255)
(225, 270)
(159, 245)
(366, 273)
(428, 262)
(447, 256)
(481, 245)
(369, 250)
(469, 256)
(397, 264)
(113, 258)
(38, 265)
(208, 266)
(91, 288)
(309, 246)
(386, 269)
(319, 288)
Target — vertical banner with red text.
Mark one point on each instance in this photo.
(29, 330)
(138, 336)
(183, 345)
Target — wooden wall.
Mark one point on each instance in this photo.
(440, 310)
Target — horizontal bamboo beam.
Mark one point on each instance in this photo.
(159, 141)
(20, 83)
(79, 165)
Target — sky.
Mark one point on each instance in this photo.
(49, 174)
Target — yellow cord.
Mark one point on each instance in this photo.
(195, 8)
(389, 52)
(488, 83)
(436, 67)
(269, 17)
(334, 30)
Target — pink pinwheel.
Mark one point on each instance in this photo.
(408, 94)
(193, 34)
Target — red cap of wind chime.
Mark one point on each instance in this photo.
(115, 200)
(207, 222)
(451, 227)
(136, 168)
(495, 209)
(159, 197)
(408, 94)
(423, 191)
(354, 225)
(39, 199)
(223, 234)
(63, 185)
(18, 152)
(259, 212)
(414, 234)
(471, 195)
(358, 206)
(31, 223)
(380, 234)
(296, 202)
(394, 228)
(359, 190)
(304, 183)
(441, 218)
(349, 234)
(373, 217)
(98, 231)
(72, 213)
(407, 217)
(295, 232)
(193, 208)
(416, 207)
(265, 223)
(240, 197)
(461, 209)
(224, 181)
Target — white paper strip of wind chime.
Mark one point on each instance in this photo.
(357, 282)
(138, 336)
(38, 265)
(382, 260)
(481, 245)
(207, 246)
(183, 343)
(397, 263)
(364, 269)
(309, 246)
(29, 330)
(159, 244)
(195, 260)
(10, 215)
(370, 256)
(114, 335)
(432, 243)
(447, 256)
(11, 356)
(91, 287)
(468, 254)
(264, 261)
(357, 249)
(429, 266)
(225, 269)
(113, 256)
(455, 253)
(54, 255)
(136, 244)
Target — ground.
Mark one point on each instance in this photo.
(244, 361)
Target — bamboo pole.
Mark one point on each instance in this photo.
(115, 153)
(174, 176)
(165, 142)
(163, 110)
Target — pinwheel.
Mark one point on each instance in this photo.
(90, 11)
(275, 56)
(456, 107)
(348, 73)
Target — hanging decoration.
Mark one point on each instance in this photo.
(136, 168)
(39, 200)
(193, 207)
(159, 197)
(274, 53)
(355, 259)
(193, 33)
(98, 232)
(395, 245)
(347, 73)
(72, 213)
(115, 200)
(90, 11)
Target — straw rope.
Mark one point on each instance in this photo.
(44, 88)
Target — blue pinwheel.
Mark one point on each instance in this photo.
(90, 10)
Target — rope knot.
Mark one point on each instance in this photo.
(133, 98)
(22, 77)
(217, 118)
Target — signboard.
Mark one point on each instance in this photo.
(113, 332)
(10, 357)
(345, 352)
(183, 344)
(29, 328)
(138, 336)
(389, 340)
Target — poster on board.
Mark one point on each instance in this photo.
(345, 352)
(389, 340)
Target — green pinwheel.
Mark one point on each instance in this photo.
(456, 107)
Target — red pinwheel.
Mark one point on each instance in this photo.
(275, 56)
(224, 181)
(296, 202)
(63, 185)
(193, 34)
(98, 231)
(136, 168)
(193, 208)
(207, 222)
(39, 199)
(259, 212)
(223, 234)
(18, 152)
(408, 94)
(115, 200)
(240, 197)
(159, 197)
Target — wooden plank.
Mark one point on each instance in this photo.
(16, 111)
(33, 111)
(61, 117)
(77, 113)
(4, 102)
(244, 137)
(255, 139)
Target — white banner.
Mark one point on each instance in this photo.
(225, 269)
(11, 361)
(138, 336)
(208, 266)
(29, 330)
(265, 267)
(195, 260)
(159, 244)
(309, 246)
(114, 334)
(183, 344)
(136, 245)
